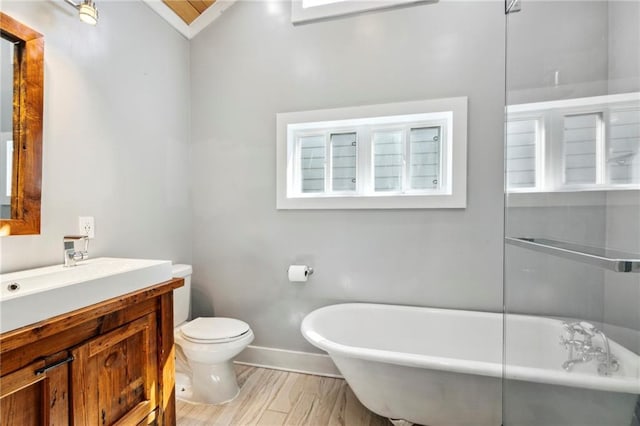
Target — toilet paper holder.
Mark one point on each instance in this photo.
(299, 273)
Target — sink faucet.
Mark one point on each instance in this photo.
(71, 255)
(584, 349)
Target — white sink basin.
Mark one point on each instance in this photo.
(37, 294)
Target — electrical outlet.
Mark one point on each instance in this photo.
(87, 226)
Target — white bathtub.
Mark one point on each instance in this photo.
(444, 367)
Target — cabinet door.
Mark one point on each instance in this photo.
(36, 394)
(113, 377)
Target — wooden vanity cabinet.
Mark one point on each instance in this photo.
(107, 364)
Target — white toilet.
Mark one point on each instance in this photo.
(205, 348)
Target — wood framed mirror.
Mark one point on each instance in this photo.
(22, 167)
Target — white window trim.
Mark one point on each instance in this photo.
(457, 129)
(335, 8)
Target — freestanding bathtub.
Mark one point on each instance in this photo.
(442, 367)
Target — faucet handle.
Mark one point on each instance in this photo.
(572, 327)
(581, 327)
(589, 328)
(69, 241)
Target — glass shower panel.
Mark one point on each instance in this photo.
(572, 214)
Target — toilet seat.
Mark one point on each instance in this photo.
(214, 330)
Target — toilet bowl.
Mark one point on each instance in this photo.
(205, 349)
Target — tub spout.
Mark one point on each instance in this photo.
(568, 365)
(608, 363)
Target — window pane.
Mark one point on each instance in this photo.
(623, 159)
(343, 157)
(387, 160)
(312, 159)
(522, 136)
(580, 137)
(424, 166)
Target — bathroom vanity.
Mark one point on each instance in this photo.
(108, 363)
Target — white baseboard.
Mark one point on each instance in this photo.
(282, 359)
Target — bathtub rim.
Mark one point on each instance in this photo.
(624, 384)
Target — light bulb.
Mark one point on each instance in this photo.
(88, 12)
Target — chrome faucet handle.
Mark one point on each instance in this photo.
(571, 327)
(71, 239)
(588, 328)
(71, 255)
(579, 345)
(581, 327)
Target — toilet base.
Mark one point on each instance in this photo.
(184, 391)
(209, 383)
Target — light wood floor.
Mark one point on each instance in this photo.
(273, 398)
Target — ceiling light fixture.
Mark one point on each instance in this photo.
(87, 11)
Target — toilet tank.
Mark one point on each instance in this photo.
(182, 295)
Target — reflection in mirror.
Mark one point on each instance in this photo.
(6, 127)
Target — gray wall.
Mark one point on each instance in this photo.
(116, 133)
(253, 63)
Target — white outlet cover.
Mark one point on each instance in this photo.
(86, 226)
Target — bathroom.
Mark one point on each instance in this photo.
(166, 134)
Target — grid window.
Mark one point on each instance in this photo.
(343, 162)
(388, 160)
(312, 163)
(400, 155)
(424, 157)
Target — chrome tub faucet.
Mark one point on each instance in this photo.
(71, 255)
(583, 350)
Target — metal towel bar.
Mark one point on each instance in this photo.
(613, 260)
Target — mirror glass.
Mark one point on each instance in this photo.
(6, 126)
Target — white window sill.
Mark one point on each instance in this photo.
(443, 201)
